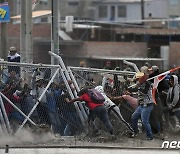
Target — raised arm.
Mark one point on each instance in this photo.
(73, 100)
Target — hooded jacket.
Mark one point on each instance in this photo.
(173, 95)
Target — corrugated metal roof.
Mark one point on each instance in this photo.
(120, 1)
(35, 14)
(150, 31)
(128, 0)
(127, 58)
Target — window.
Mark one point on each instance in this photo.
(43, 2)
(45, 19)
(112, 18)
(173, 2)
(122, 11)
(73, 3)
(102, 11)
(173, 24)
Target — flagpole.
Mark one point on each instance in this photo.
(164, 73)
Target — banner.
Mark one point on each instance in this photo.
(4, 12)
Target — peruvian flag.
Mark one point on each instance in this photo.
(158, 79)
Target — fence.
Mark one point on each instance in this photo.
(34, 96)
(113, 82)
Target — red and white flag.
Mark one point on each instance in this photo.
(158, 79)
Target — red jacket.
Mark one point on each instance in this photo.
(91, 105)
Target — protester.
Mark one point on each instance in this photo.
(12, 78)
(28, 102)
(13, 56)
(145, 107)
(41, 108)
(173, 100)
(112, 107)
(97, 109)
(52, 110)
(108, 65)
(70, 121)
(160, 96)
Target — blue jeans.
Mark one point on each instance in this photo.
(142, 112)
(73, 124)
(102, 114)
(55, 122)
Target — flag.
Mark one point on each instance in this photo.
(158, 79)
(155, 85)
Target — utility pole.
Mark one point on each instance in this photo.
(142, 10)
(23, 31)
(3, 38)
(29, 40)
(54, 29)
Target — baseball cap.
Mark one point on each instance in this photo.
(144, 69)
(154, 68)
(12, 49)
(139, 75)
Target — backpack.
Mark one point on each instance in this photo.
(96, 96)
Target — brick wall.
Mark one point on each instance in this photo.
(87, 49)
(39, 30)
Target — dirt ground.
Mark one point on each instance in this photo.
(26, 139)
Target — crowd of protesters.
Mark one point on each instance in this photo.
(52, 109)
(56, 108)
(154, 115)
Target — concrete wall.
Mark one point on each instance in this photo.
(115, 49)
(133, 11)
(157, 8)
(106, 49)
(174, 54)
(83, 10)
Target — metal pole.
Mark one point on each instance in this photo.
(55, 29)
(131, 64)
(29, 41)
(52, 31)
(27, 64)
(17, 108)
(103, 71)
(4, 129)
(5, 115)
(83, 116)
(68, 78)
(3, 38)
(142, 10)
(73, 78)
(23, 31)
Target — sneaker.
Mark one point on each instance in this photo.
(57, 135)
(159, 136)
(149, 138)
(133, 135)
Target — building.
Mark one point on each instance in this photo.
(100, 40)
